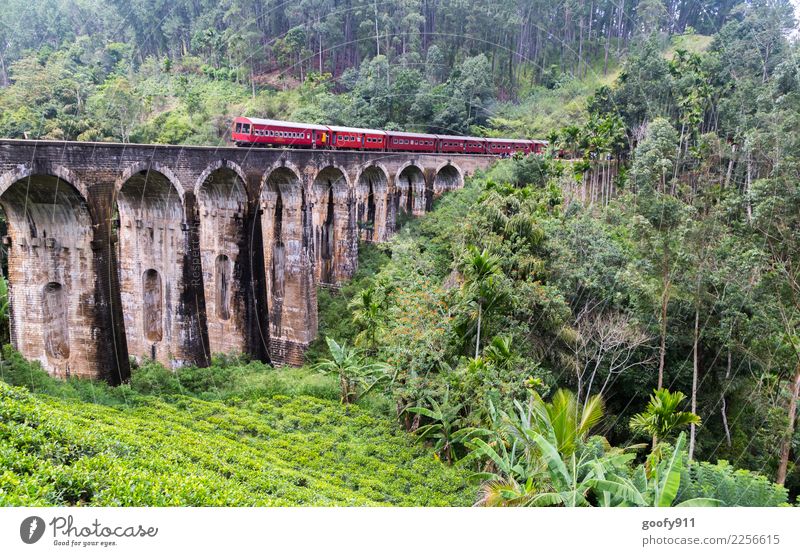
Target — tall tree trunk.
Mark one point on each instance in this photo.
(3, 74)
(786, 443)
(747, 184)
(730, 166)
(695, 373)
(724, 408)
(662, 350)
(377, 34)
(608, 44)
(478, 338)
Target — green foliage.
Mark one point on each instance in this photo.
(356, 376)
(272, 451)
(732, 487)
(657, 487)
(662, 419)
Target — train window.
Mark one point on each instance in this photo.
(308, 136)
(238, 128)
(246, 128)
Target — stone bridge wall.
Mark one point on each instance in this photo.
(175, 253)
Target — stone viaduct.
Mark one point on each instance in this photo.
(174, 253)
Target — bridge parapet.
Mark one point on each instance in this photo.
(174, 253)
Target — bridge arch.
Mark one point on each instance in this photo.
(448, 178)
(152, 253)
(409, 194)
(51, 268)
(145, 168)
(371, 192)
(286, 257)
(215, 167)
(333, 224)
(222, 203)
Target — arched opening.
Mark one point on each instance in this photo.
(448, 178)
(222, 287)
(331, 221)
(222, 203)
(51, 274)
(411, 186)
(280, 227)
(152, 306)
(151, 252)
(278, 267)
(371, 191)
(55, 325)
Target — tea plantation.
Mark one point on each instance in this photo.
(276, 450)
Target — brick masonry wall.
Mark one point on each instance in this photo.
(180, 252)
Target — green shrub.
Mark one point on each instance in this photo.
(734, 487)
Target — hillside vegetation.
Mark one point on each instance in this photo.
(616, 326)
(131, 449)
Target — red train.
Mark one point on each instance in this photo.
(276, 133)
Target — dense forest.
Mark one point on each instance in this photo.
(617, 326)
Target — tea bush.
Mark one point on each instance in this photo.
(271, 451)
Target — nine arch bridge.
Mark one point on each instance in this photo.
(174, 253)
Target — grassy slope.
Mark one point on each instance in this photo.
(277, 451)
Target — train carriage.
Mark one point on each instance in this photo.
(417, 142)
(357, 138)
(538, 147)
(451, 144)
(276, 133)
(475, 145)
(507, 147)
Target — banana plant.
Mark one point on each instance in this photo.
(446, 429)
(357, 376)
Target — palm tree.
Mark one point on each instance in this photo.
(481, 269)
(545, 458)
(662, 419)
(357, 377)
(368, 315)
(500, 354)
(563, 418)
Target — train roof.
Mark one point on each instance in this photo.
(344, 129)
(499, 140)
(407, 134)
(260, 121)
(452, 137)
